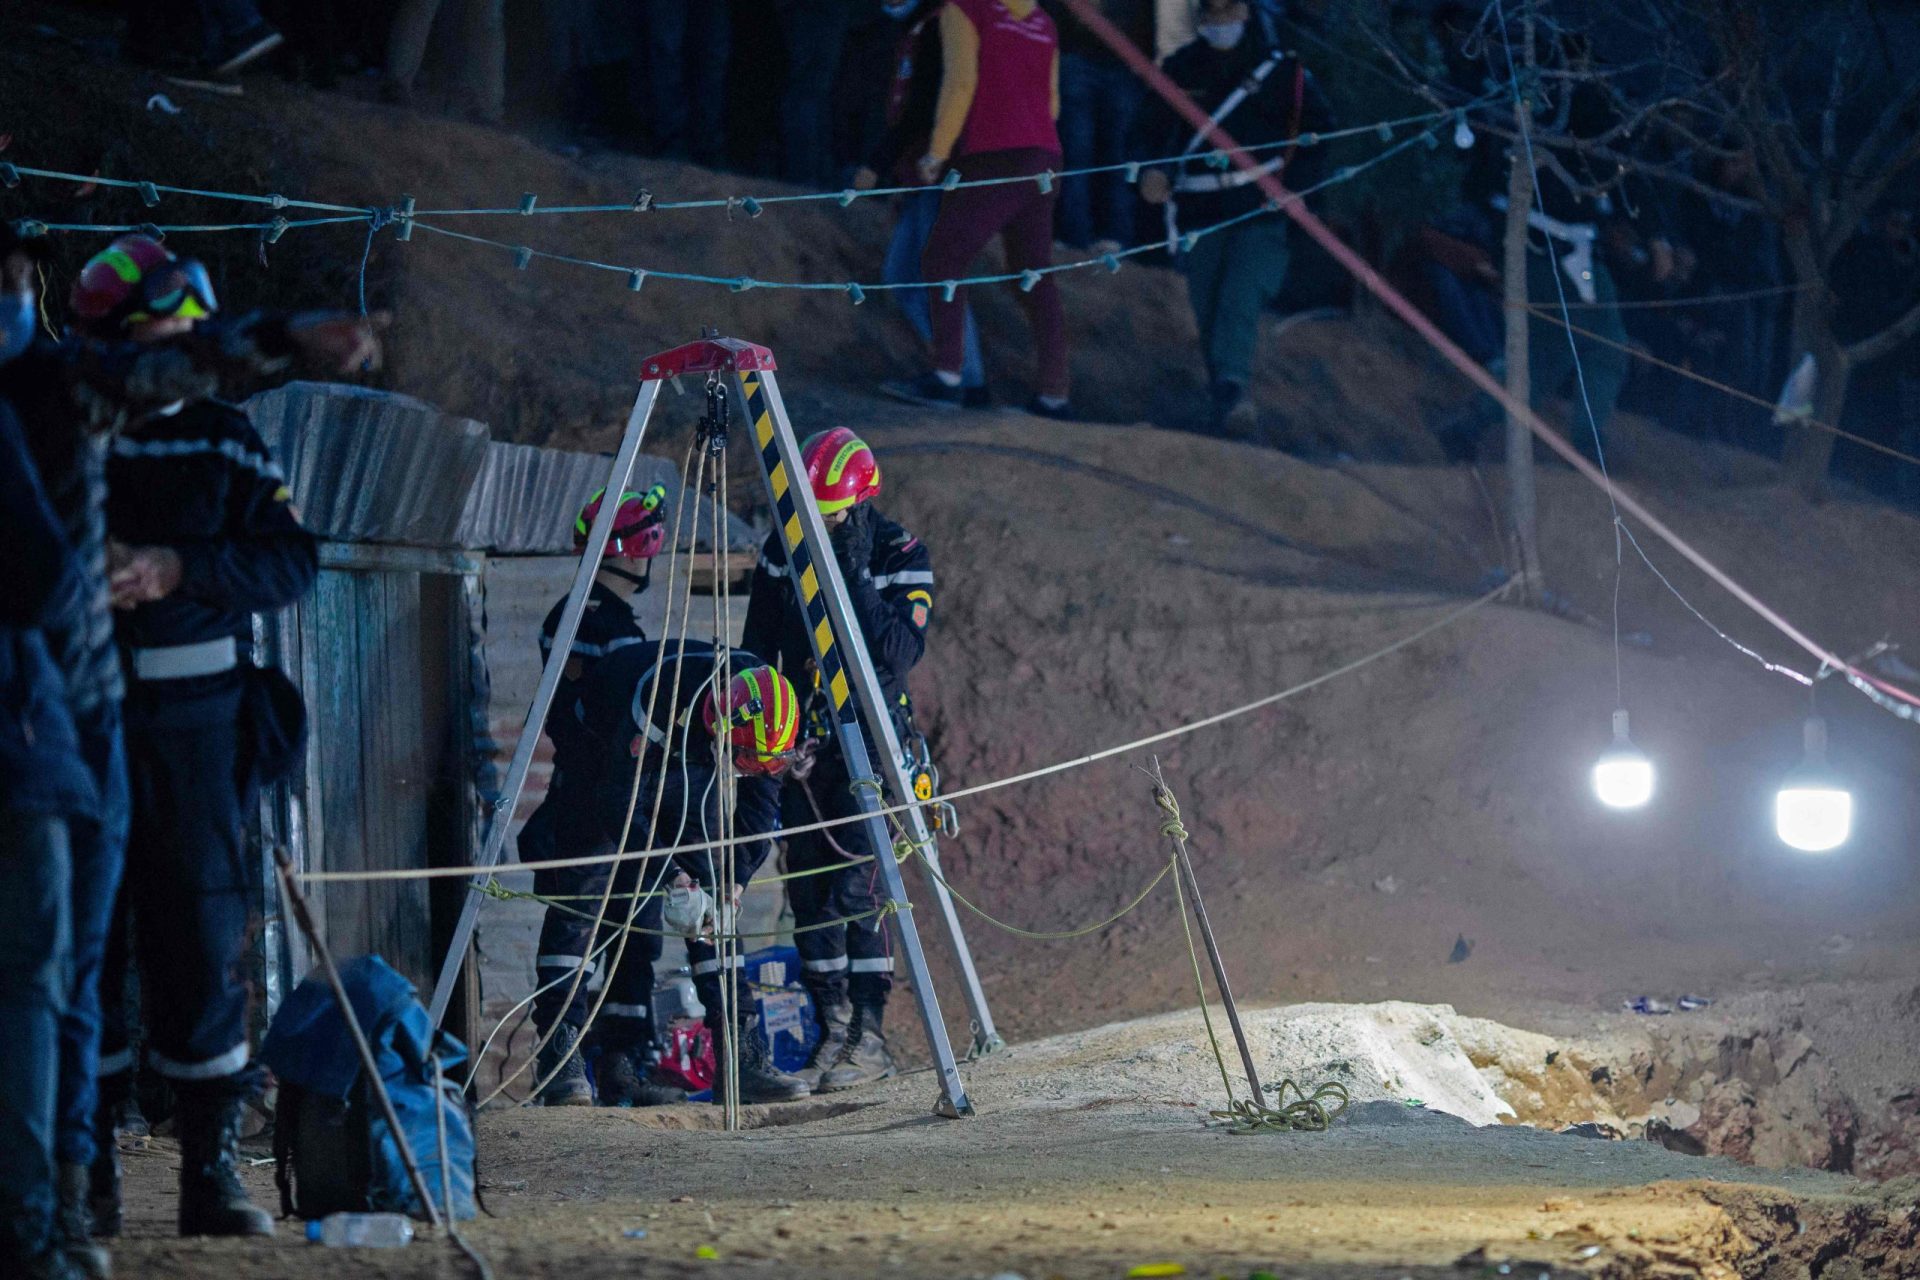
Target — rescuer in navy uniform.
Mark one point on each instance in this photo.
(565, 826)
(673, 750)
(847, 968)
(203, 535)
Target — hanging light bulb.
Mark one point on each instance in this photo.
(1462, 132)
(1623, 777)
(1813, 811)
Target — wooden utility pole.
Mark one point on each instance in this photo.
(1522, 505)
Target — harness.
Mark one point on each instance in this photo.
(1209, 182)
(1577, 262)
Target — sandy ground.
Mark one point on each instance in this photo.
(1090, 1155)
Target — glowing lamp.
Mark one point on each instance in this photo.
(1813, 811)
(1623, 777)
(1462, 132)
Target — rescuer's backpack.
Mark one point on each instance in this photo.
(333, 1149)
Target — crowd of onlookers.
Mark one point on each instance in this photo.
(833, 93)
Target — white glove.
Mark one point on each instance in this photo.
(687, 909)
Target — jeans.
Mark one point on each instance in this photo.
(1098, 102)
(482, 54)
(36, 972)
(1551, 356)
(917, 214)
(1469, 313)
(681, 80)
(814, 32)
(99, 850)
(1231, 277)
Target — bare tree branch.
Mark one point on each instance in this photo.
(1887, 340)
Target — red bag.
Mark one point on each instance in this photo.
(688, 1060)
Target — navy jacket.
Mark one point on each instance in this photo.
(70, 450)
(607, 625)
(201, 481)
(892, 597)
(611, 704)
(41, 770)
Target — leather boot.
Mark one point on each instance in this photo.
(760, 1079)
(833, 1020)
(212, 1201)
(73, 1223)
(621, 1074)
(103, 1176)
(864, 1059)
(569, 1087)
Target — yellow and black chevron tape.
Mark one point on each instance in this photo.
(799, 556)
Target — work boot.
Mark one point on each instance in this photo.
(833, 1020)
(212, 1201)
(760, 1079)
(864, 1059)
(122, 1104)
(929, 391)
(622, 1076)
(103, 1176)
(1235, 415)
(568, 1086)
(73, 1223)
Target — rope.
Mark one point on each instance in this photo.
(500, 893)
(1640, 353)
(1697, 300)
(1082, 932)
(1031, 775)
(633, 795)
(1308, 1112)
(645, 202)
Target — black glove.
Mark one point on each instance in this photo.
(853, 542)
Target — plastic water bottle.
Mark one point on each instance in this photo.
(362, 1231)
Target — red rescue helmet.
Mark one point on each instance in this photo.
(639, 530)
(763, 717)
(136, 279)
(841, 468)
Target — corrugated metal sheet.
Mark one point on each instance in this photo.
(526, 498)
(374, 467)
(371, 466)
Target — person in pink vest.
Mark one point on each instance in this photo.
(999, 101)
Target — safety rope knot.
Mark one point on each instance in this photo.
(1172, 828)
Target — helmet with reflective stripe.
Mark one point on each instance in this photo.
(639, 529)
(841, 469)
(136, 279)
(763, 720)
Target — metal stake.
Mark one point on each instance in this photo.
(1178, 835)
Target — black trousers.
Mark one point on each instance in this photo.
(192, 883)
(838, 962)
(567, 934)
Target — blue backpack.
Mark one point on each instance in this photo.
(333, 1149)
